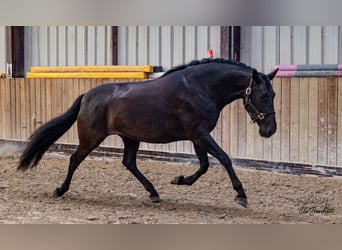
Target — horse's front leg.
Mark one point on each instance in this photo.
(204, 164)
(207, 143)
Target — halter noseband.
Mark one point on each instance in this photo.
(253, 111)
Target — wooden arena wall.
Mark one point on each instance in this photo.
(308, 111)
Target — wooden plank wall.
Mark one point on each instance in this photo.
(308, 112)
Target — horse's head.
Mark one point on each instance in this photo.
(258, 101)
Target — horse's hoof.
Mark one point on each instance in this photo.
(242, 201)
(155, 198)
(57, 193)
(178, 180)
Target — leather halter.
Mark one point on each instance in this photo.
(253, 111)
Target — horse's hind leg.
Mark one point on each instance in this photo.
(88, 141)
(129, 160)
(204, 164)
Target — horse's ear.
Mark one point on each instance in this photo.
(273, 74)
(256, 76)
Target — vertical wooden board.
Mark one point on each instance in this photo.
(217, 132)
(58, 100)
(87, 84)
(331, 44)
(38, 97)
(234, 129)
(7, 119)
(294, 119)
(62, 46)
(154, 45)
(315, 45)
(53, 51)
(267, 148)
(4, 105)
(323, 121)
(49, 95)
(23, 105)
(32, 113)
(64, 104)
(28, 106)
(72, 96)
(1, 107)
(188, 147)
(82, 87)
(17, 108)
(12, 113)
(43, 101)
(276, 138)
(303, 119)
(339, 125)
(285, 45)
(250, 138)
(76, 93)
(285, 118)
(332, 121)
(299, 45)
(226, 129)
(313, 120)
(71, 45)
(242, 130)
(132, 45)
(258, 143)
(256, 48)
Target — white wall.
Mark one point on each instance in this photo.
(67, 45)
(167, 46)
(2, 49)
(264, 46)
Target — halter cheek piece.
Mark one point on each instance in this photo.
(253, 111)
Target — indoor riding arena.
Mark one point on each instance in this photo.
(292, 177)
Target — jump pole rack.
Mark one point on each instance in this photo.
(309, 70)
(95, 71)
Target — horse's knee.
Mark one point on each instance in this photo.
(127, 162)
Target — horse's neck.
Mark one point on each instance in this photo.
(229, 89)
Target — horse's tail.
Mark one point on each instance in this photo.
(43, 137)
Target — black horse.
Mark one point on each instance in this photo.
(183, 104)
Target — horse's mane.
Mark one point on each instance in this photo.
(207, 60)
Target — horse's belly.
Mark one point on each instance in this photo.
(153, 130)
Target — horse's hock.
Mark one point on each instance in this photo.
(309, 132)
